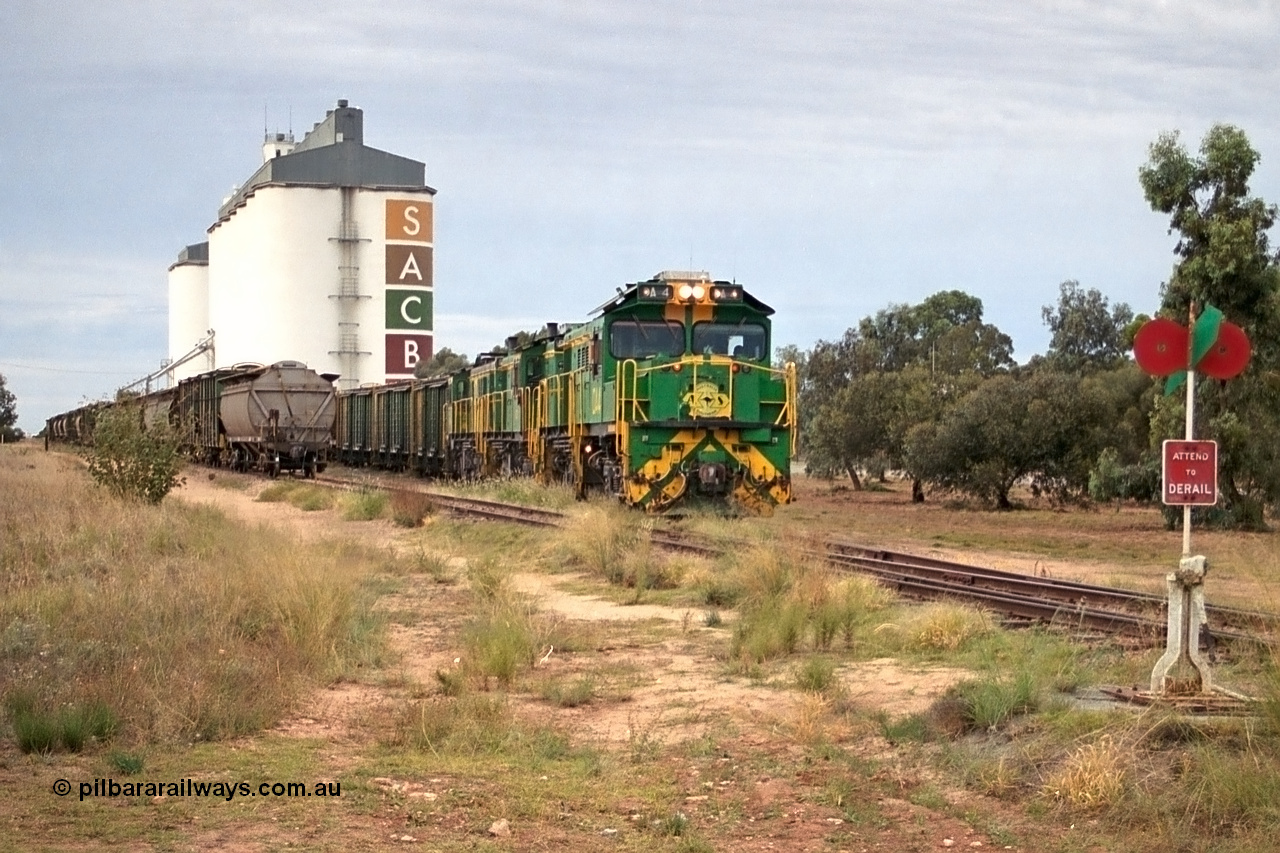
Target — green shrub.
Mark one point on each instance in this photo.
(913, 728)
(488, 578)
(364, 506)
(816, 675)
(499, 643)
(42, 730)
(128, 763)
(131, 462)
(673, 825)
(990, 702)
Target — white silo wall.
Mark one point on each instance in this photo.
(272, 269)
(188, 314)
(277, 265)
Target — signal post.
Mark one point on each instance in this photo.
(1189, 471)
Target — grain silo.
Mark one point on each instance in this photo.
(189, 308)
(323, 256)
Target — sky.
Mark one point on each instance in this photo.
(834, 156)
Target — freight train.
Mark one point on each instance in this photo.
(666, 395)
(250, 416)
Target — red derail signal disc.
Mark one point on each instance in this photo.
(1160, 347)
(1228, 355)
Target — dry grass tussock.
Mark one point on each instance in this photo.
(613, 542)
(1093, 776)
(182, 623)
(789, 603)
(942, 627)
(505, 635)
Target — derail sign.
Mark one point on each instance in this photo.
(1189, 476)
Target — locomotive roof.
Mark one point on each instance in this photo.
(628, 295)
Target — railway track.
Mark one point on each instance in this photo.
(1052, 600)
(1078, 607)
(472, 507)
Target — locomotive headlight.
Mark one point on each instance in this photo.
(699, 291)
(686, 291)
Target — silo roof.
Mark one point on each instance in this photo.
(333, 154)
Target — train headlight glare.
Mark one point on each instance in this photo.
(699, 291)
(685, 291)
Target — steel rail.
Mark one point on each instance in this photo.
(1067, 592)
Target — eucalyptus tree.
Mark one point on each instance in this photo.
(8, 412)
(1224, 258)
(896, 369)
(1088, 332)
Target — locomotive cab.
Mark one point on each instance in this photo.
(699, 410)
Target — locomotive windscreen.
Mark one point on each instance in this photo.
(646, 338)
(740, 340)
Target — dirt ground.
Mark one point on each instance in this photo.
(684, 691)
(680, 676)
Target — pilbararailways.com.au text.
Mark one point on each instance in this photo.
(191, 788)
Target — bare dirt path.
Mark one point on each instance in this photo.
(681, 671)
(680, 691)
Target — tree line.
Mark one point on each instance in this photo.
(932, 391)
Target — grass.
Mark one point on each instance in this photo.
(364, 505)
(521, 490)
(163, 623)
(43, 729)
(791, 603)
(816, 675)
(1093, 776)
(580, 691)
(305, 497)
(499, 734)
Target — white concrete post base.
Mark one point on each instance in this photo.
(1186, 618)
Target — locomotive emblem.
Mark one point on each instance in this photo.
(706, 400)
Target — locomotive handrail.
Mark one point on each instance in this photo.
(786, 417)
(621, 400)
(792, 412)
(575, 458)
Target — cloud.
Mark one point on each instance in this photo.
(74, 293)
(834, 156)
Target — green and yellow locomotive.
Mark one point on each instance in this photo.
(667, 394)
